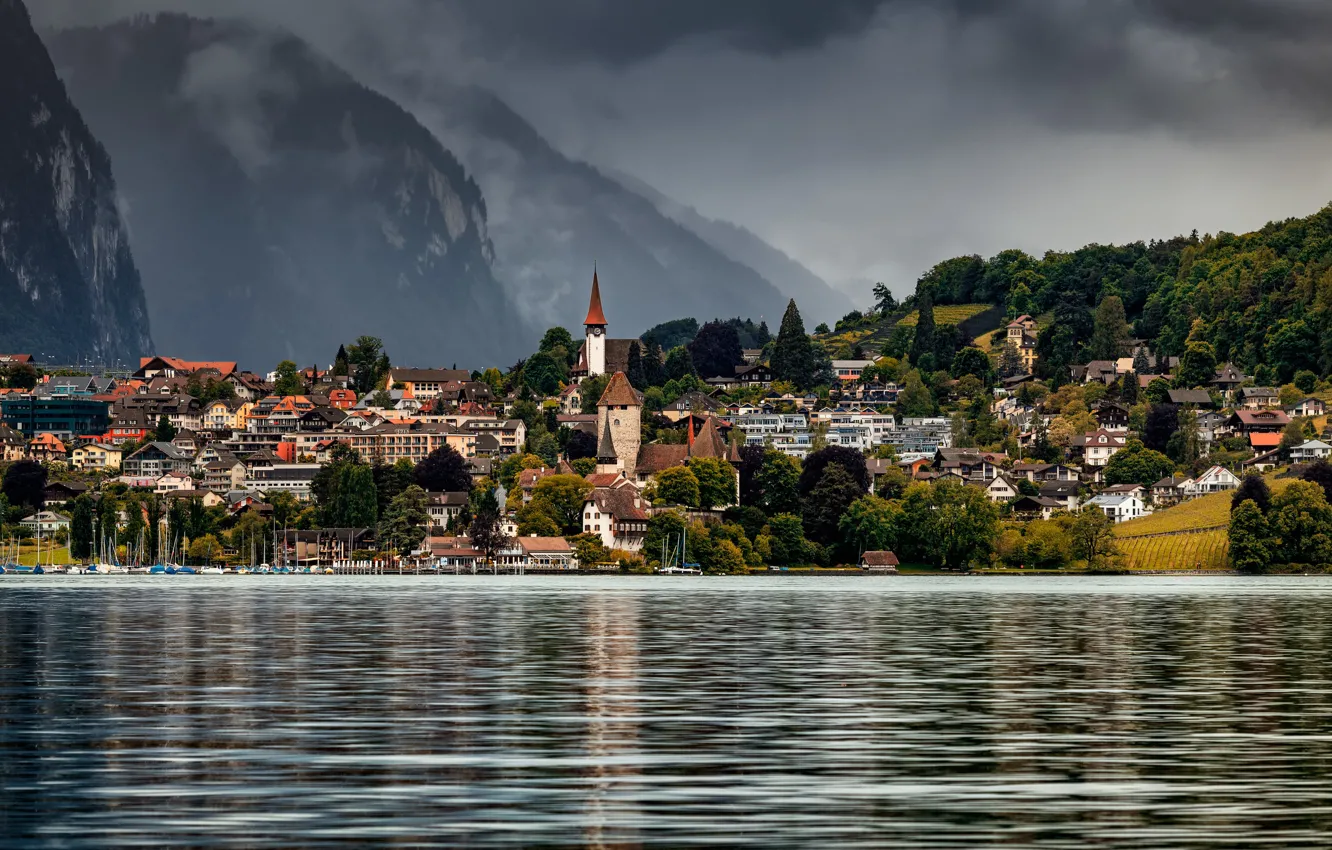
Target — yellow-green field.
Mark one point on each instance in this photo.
(1204, 550)
(28, 555)
(951, 314)
(1204, 512)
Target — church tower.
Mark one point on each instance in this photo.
(595, 325)
(619, 420)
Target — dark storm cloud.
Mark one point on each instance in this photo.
(870, 138)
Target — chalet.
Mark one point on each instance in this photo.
(969, 463)
(1309, 451)
(1104, 371)
(1112, 417)
(60, 492)
(47, 447)
(1257, 421)
(1228, 378)
(1307, 407)
(879, 561)
(1119, 508)
(1126, 490)
(13, 445)
(1031, 507)
(174, 367)
(1258, 398)
(528, 478)
(1097, 447)
(1263, 461)
(173, 482)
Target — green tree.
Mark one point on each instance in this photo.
(716, 482)
(204, 550)
(777, 484)
(952, 524)
(165, 431)
(543, 374)
(589, 550)
(1137, 464)
(679, 363)
(288, 380)
(284, 504)
(445, 471)
(356, 501)
(973, 361)
(1300, 520)
(872, 524)
(152, 515)
(1110, 328)
(922, 344)
(1158, 391)
(561, 497)
(403, 526)
(1250, 551)
(634, 370)
(1197, 367)
(80, 528)
(559, 342)
(789, 546)
(726, 558)
(369, 363)
(677, 485)
(1091, 530)
(1306, 381)
(825, 505)
(915, 399)
(590, 389)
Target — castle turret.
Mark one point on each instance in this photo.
(619, 418)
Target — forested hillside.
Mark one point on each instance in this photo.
(1262, 297)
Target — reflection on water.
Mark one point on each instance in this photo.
(622, 712)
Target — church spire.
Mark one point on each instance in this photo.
(594, 314)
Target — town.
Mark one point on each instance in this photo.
(717, 449)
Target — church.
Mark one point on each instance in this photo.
(599, 355)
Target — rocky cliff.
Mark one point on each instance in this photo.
(69, 289)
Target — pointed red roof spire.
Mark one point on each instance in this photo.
(594, 314)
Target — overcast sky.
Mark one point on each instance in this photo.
(872, 138)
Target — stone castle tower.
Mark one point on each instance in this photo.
(595, 327)
(619, 419)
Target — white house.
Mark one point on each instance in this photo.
(48, 522)
(1306, 407)
(1119, 508)
(1001, 488)
(1310, 451)
(1218, 479)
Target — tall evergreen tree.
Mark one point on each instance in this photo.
(923, 343)
(81, 528)
(654, 372)
(1110, 328)
(634, 371)
(793, 357)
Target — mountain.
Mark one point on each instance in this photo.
(278, 207)
(553, 216)
(818, 301)
(68, 282)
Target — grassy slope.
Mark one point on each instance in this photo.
(1191, 536)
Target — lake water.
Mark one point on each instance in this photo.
(295, 711)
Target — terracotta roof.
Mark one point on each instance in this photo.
(708, 443)
(1262, 417)
(619, 391)
(879, 559)
(605, 479)
(1264, 441)
(622, 503)
(543, 544)
(654, 458)
(594, 314)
